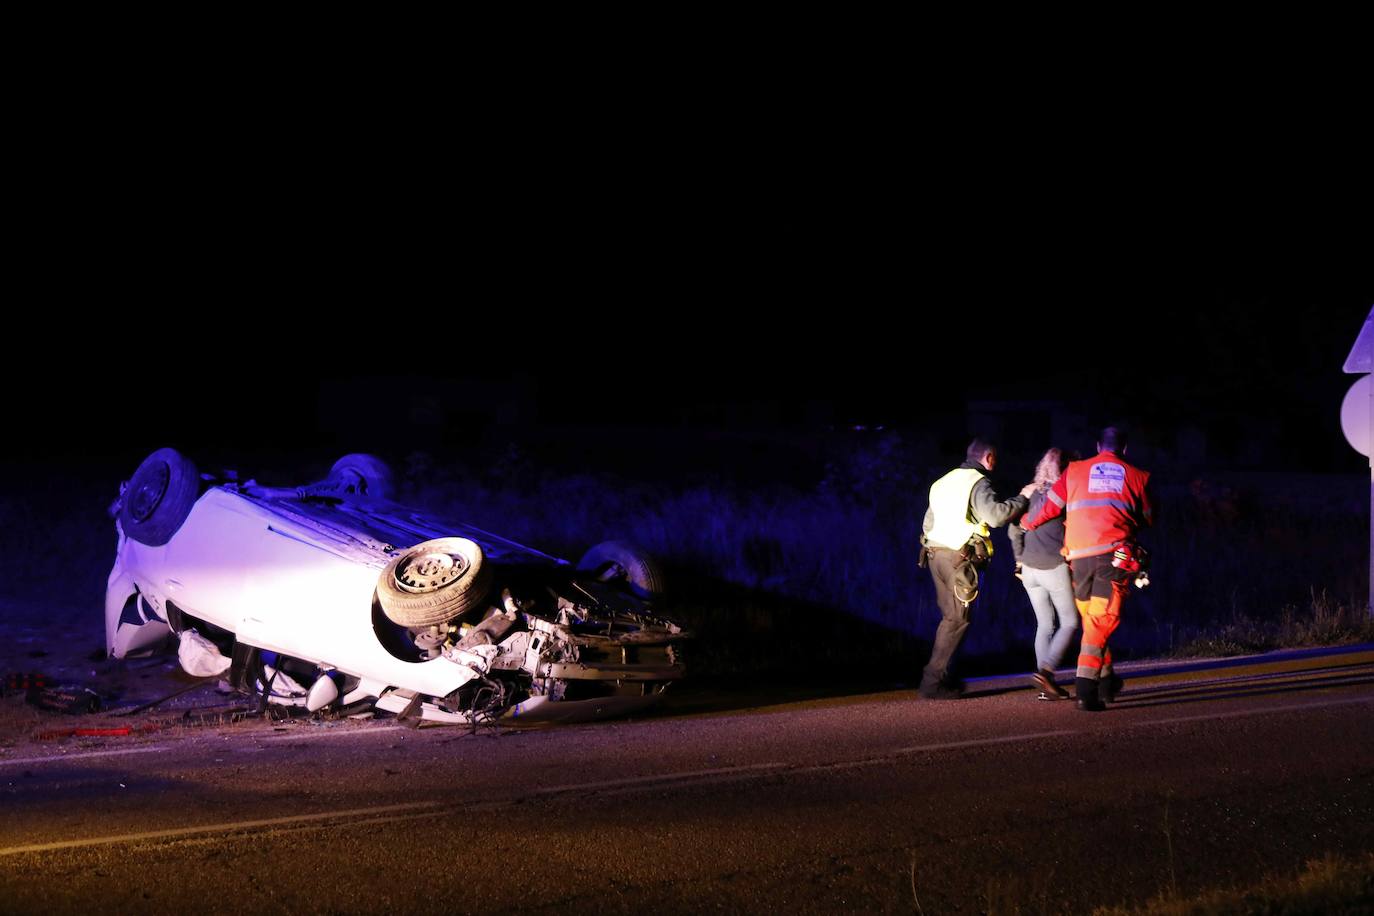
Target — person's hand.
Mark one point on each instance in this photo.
(1018, 572)
(1027, 490)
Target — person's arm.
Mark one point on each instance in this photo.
(1147, 512)
(990, 510)
(1015, 533)
(1053, 506)
(1018, 541)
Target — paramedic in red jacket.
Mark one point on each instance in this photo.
(1104, 503)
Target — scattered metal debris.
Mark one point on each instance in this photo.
(86, 732)
(160, 700)
(22, 683)
(72, 699)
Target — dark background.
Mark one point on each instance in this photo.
(656, 354)
(748, 338)
(268, 258)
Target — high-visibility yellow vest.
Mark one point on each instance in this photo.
(949, 498)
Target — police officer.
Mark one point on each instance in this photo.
(1104, 503)
(963, 508)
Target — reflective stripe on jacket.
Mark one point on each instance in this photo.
(1104, 503)
(949, 501)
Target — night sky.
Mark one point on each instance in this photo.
(1215, 357)
(800, 248)
(290, 317)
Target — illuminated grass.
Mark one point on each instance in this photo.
(1326, 886)
(1323, 622)
(1276, 561)
(816, 563)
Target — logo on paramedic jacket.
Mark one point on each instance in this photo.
(1106, 478)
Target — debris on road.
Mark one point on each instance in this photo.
(125, 731)
(71, 699)
(160, 700)
(22, 683)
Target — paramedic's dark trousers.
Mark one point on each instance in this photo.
(953, 617)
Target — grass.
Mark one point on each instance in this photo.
(815, 566)
(1332, 885)
(1258, 563)
(1321, 622)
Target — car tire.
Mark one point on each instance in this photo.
(362, 475)
(159, 497)
(621, 560)
(434, 582)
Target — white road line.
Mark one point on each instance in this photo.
(732, 774)
(57, 758)
(661, 777)
(1242, 713)
(753, 771)
(310, 736)
(1323, 676)
(980, 742)
(1158, 696)
(697, 778)
(417, 807)
(304, 736)
(296, 829)
(390, 813)
(722, 779)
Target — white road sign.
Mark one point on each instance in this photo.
(1361, 355)
(1355, 414)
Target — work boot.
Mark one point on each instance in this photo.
(1044, 679)
(1109, 687)
(942, 690)
(1086, 691)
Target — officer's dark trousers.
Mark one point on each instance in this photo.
(953, 617)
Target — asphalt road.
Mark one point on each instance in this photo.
(877, 802)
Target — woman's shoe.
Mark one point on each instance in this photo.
(1049, 690)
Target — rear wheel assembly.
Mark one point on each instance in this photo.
(617, 560)
(159, 497)
(362, 475)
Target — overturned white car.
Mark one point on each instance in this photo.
(332, 596)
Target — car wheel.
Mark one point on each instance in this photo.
(159, 497)
(362, 475)
(612, 560)
(433, 582)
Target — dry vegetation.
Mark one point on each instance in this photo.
(818, 570)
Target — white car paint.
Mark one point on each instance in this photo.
(296, 574)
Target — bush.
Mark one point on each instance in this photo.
(823, 568)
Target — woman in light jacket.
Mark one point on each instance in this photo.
(1041, 567)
